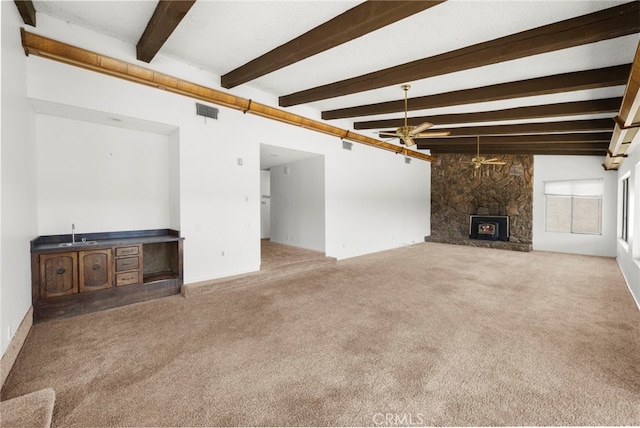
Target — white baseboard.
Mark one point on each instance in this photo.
(11, 354)
(626, 280)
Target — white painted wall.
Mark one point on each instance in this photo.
(101, 178)
(265, 204)
(18, 175)
(553, 168)
(174, 180)
(217, 204)
(298, 204)
(628, 254)
(374, 201)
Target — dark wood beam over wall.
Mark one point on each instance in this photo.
(552, 127)
(592, 143)
(605, 105)
(163, 22)
(356, 22)
(606, 24)
(27, 11)
(577, 137)
(580, 80)
(596, 149)
(500, 143)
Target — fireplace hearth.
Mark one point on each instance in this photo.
(489, 227)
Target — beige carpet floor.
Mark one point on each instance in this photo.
(431, 334)
(33, 410)
(274, 255)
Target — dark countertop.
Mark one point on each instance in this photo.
(51, 243)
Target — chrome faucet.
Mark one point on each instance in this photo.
(73, 233)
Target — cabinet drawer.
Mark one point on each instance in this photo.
(127, 251)
(127, 278)
(127, 263)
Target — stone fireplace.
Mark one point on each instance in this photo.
(498, 191)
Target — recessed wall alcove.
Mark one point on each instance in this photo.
(496, 190)
(104, 172)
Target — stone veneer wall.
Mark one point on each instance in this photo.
(499, 190)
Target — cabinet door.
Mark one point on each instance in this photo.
(58, 274)
(95, 270)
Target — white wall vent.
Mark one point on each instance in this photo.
(207, 111)
(347, 145)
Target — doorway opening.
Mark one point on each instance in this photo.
(292, 201)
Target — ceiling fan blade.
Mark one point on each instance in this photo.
(422, 127)
(387, 134)
(432, 134)
(491, 160)
(408, 141)
(493, 163)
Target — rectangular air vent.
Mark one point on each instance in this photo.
(207, 111)
(347, 145)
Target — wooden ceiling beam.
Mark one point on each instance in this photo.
(27, 11)
(591, 150)
(163, 22)
(594, 144)
(566, 82)
(625, 136)
(629, 113)
(605, 105)
(356, 22)
(491, 148)
(606, 24)
(533, 128)
(515, 140)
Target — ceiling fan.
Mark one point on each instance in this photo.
(407, 133)
(478, 161)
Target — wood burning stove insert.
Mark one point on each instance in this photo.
(489, 227)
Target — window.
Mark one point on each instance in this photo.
(625, 210)
(574, 206)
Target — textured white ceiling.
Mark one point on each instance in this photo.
(222, 35)
(272, 156)
(219, 36)
(122, 20)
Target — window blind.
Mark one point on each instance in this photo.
(588, 187)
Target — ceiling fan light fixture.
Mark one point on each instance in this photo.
(478, 160)
(407, 133)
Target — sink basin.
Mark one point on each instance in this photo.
(77, 244)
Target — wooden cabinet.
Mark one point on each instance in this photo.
(95, 270)
(117, 268)
(74, 272)
(58, 274)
